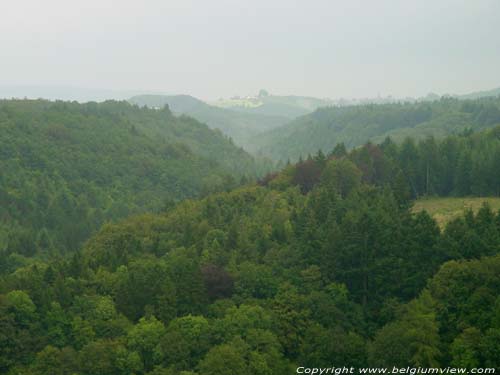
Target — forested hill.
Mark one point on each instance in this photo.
(240, 126)
(481, 94)
(321, 264)
(66, 167)
(290, 106)
(354, 125)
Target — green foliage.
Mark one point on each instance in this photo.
(324, 346)
(354, 125)
(185, 341)
(226, 359)
(67, 168)
(411, 340)
(56, 361)
(341, 175)
(144, 339)
(239, 125)
(323, 263)
(145, 287)
(21, 306)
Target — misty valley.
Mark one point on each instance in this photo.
(138, 241)
(249, 188)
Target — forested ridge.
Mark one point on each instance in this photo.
(354, 125)
(321, 264)
(66, 168)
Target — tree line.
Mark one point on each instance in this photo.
(466, 164)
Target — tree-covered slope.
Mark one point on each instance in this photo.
(240, 126)
(324, 262)
(354, 125)
(66, 167)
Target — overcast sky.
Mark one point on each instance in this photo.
(219, 48)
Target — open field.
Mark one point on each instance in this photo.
(444, 210)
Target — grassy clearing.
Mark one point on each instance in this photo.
(444, 210)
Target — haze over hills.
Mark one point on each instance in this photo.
(250, 120)
(289, 106)
(240, 126)
(269, 125)
(481, 94)
(239, 274)
(66, 93)
(264, 102)
(162, 214)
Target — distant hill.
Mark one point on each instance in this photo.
(66, 93)
(354, 125)
(66, 167)
(292, 106)
(274, 105)
(240, 126)
(481, 94)
(176, 103)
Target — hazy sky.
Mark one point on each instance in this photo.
(218, 48)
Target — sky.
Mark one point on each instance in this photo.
(221, 48)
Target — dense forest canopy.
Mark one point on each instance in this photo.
(161, 214)
(467, 164)
(354, 125)
(323, 263)
(66, 168)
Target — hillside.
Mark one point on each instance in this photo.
(354, 125)
(322, 263)
(240, 126)
(68, 167)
